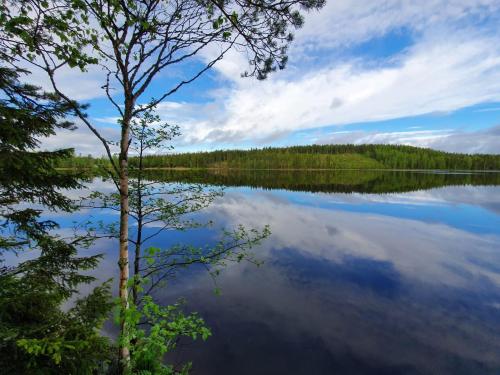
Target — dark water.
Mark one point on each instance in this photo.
(364, 273)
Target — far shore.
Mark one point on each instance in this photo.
(309, 169)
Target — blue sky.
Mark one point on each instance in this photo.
(425, 73)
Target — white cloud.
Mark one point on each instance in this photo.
(347, 22)
(439, 74)
(451, 65)
(82, 140)
(72, 82)
(481, 141)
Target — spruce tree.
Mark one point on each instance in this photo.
(36, 334)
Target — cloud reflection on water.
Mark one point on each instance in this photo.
(346, 292)
(398, 283)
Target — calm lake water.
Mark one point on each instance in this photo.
(364, 273)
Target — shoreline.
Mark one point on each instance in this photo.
(448, 171)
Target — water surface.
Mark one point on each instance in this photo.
(364, 273)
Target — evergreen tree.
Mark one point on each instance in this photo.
(36, 334)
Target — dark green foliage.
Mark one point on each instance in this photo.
(27, 175)
(327, 157)
(36, 335)
(339, 181)
(310, 157)
(27, 114)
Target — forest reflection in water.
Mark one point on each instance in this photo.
(369, 181)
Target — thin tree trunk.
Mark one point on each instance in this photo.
(124, 352)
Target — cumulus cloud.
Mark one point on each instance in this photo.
(438, 74)
(348, 22)
(451, 65)
(481, 141)
(81, 139)
(72, 82)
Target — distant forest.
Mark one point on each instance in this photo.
(312, 157)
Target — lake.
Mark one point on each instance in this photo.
(364, 273)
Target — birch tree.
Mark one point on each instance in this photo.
(134, 41)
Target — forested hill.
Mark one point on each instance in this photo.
(313, 157)
(326, 157)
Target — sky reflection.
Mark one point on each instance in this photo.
(401, 283)
(369, 291)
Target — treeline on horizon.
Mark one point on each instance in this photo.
(312, 157)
